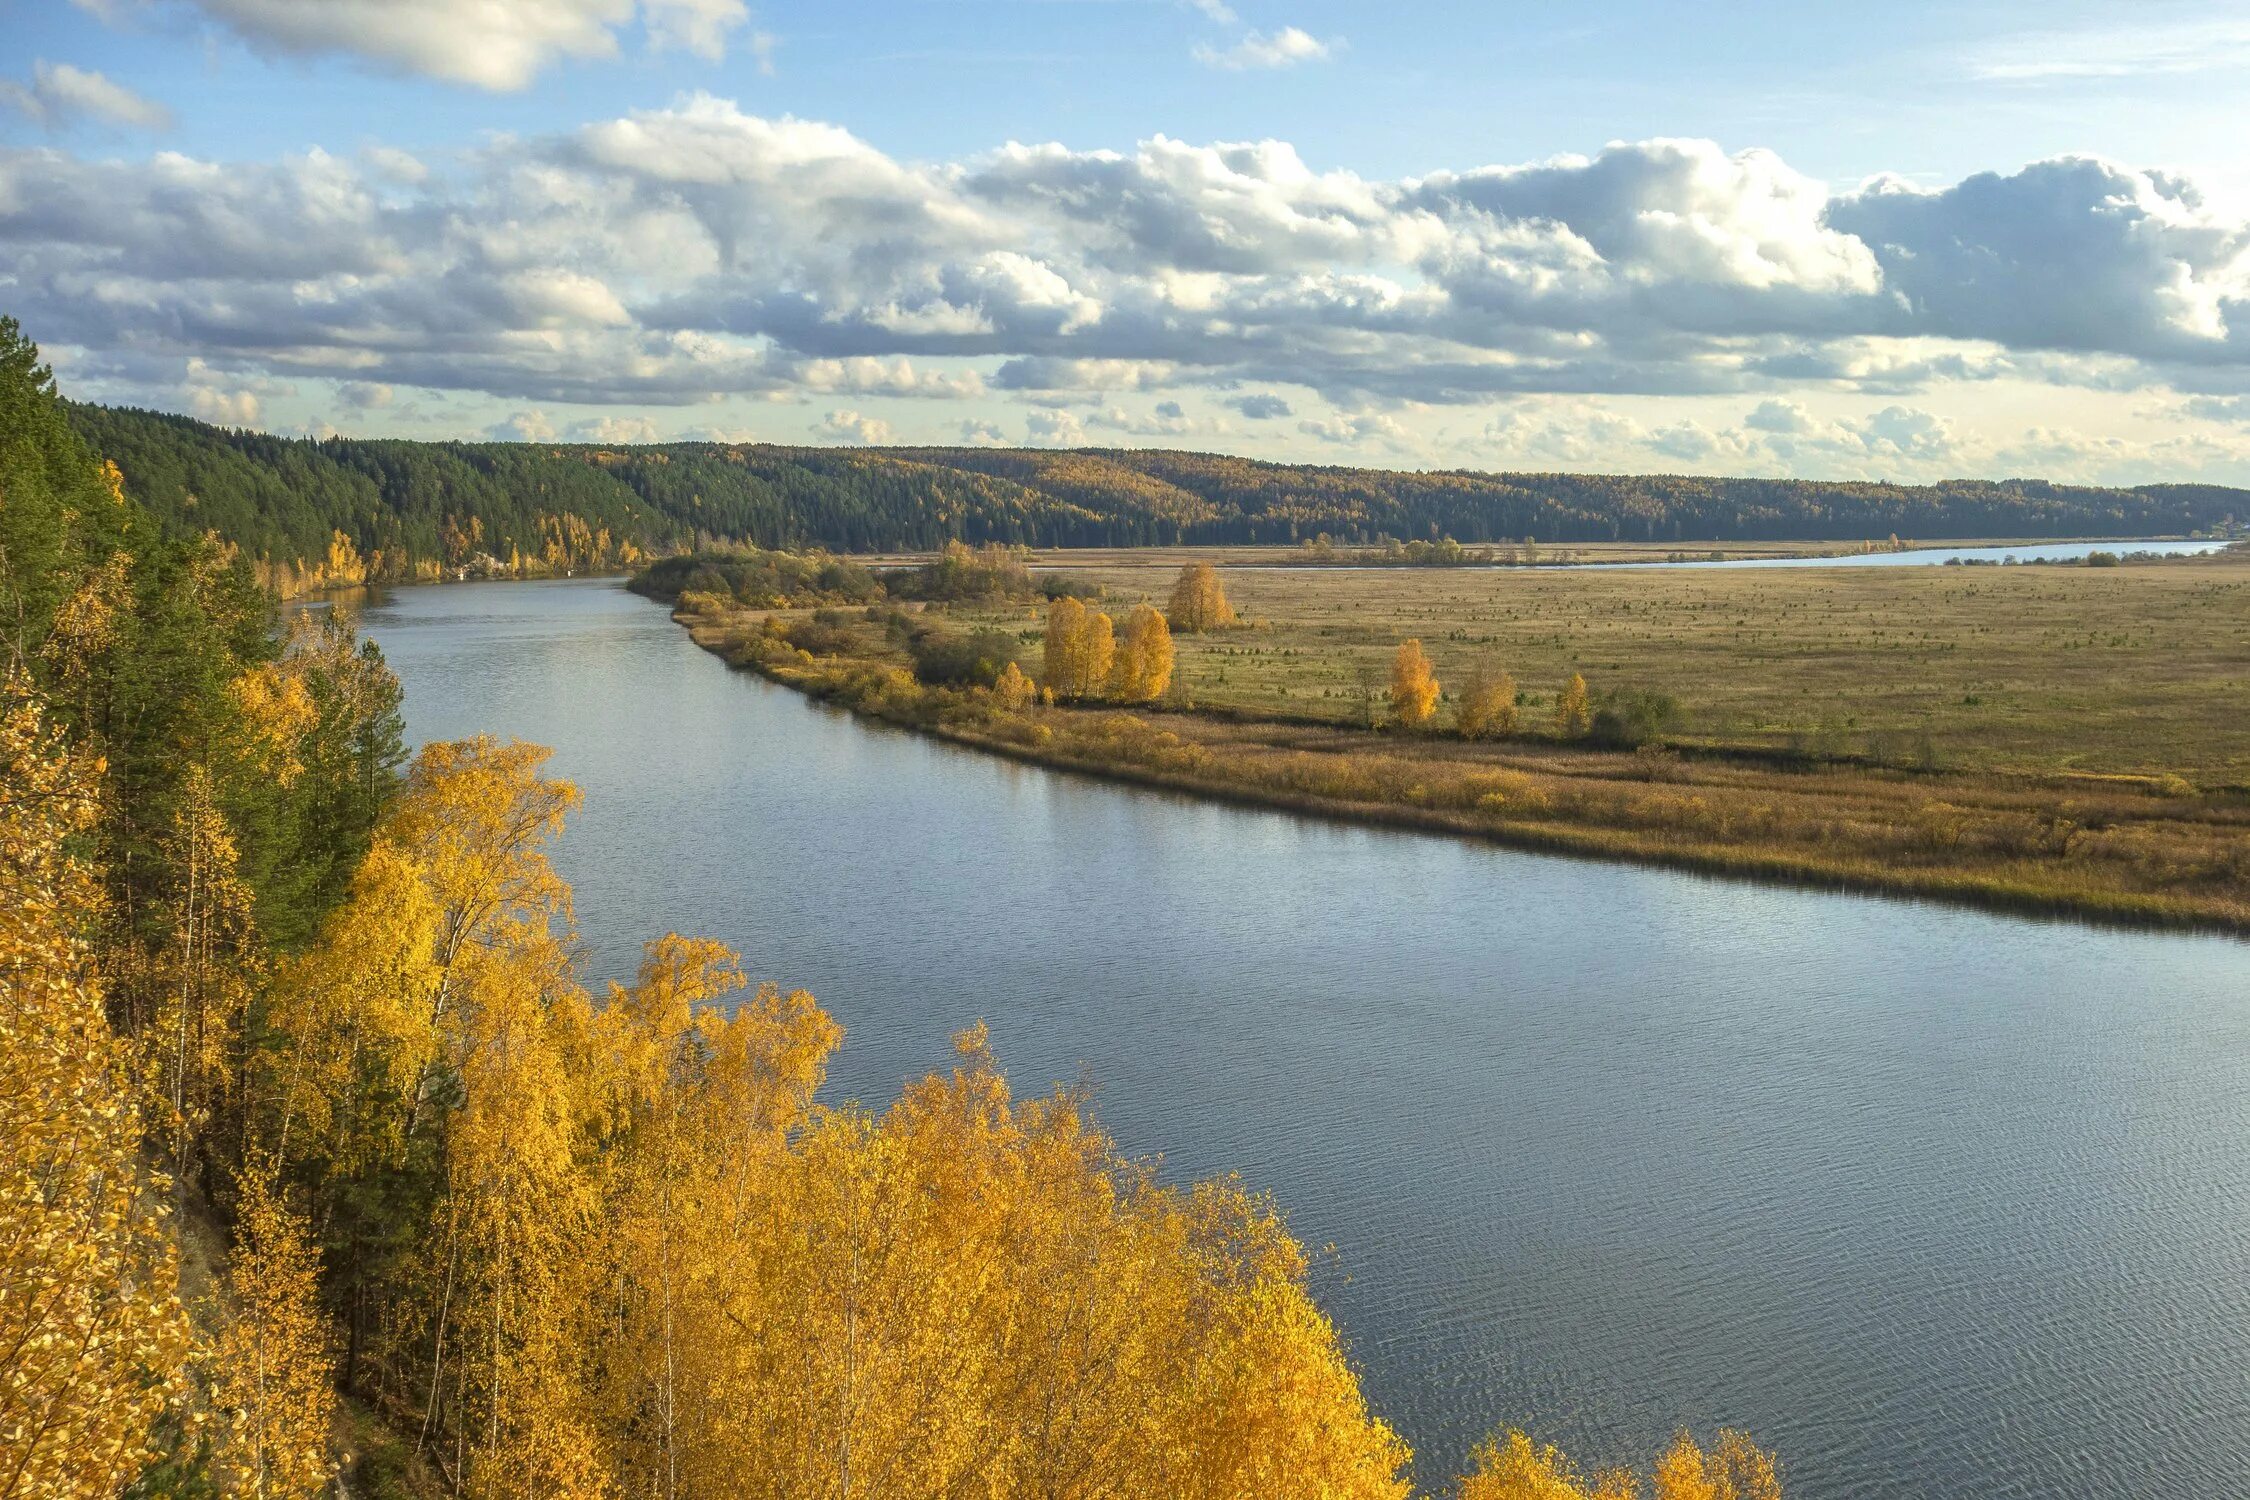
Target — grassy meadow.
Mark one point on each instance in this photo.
(2035, 737)
(2136, 670)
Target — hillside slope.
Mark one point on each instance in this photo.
(416, 509)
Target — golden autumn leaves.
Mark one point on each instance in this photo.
(1085, 659)
(93, 1340)
(650, 1260)
(659, 1266)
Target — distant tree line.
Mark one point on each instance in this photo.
(306, 512)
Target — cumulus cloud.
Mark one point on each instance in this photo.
(493, 44)
(59, 95)
(364, 395)
(613, 430)
(2072, 254)
(697, 252)
(1356, 430)
(523, 427)
(850, 427)
(1054, 429)
(1284, 48)
(219, 399)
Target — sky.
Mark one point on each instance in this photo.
(1981, 238)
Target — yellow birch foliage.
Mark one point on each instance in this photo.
(1574, 714)
(1144, 660)
(1513, 1467)
(1097, 654)
(277, 711)
(1488, 704)
(516, 1234)
(964, 1295)
(1081, 647)
(1199, 604)
(210, 965)
(1066, 622)
(92, 1336)
(1414, 686)
(272, 1388)
(354, 1016)
(1013, 690)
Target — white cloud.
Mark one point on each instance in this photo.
(1261, 407)
(223, 406)
(867, 376)
(364, 395)
(1356, 430)
(694, 253)
(699, 26)
(1284, 48)
(1054, 429)
(614, 431)
(59, 95)
(524, 427)
(850, 427)
(402, 167)
(491, 44)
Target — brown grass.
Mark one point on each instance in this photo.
(2088, 724)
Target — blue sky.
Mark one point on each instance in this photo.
(1914, 240)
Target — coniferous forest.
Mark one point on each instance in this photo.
(350, 510)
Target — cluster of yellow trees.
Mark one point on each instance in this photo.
(271, 1009)
(634, 1254)
(1486, 707)
(1085, 659)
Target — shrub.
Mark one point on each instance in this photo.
(948, 658)
(1631, 717)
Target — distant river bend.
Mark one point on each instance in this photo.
(1938, 1203)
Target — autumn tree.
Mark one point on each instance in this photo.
(1144, 661)
(211, 962)
(1414, 686)
(1012, 690)
(1080, 649)
(1487, 707)
(1199, 604)
(92, 1337)
(1513, 1467)
(1574, 714)
(273, 1392)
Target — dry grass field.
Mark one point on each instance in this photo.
(2047, 738)
(2142, 669)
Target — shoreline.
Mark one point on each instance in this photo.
(1951, 886)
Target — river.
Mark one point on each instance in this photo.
(1939, 1204)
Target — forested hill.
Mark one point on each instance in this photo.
(416, 508)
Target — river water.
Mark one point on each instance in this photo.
(1938, 1203)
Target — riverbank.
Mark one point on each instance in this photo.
(2143, 850)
